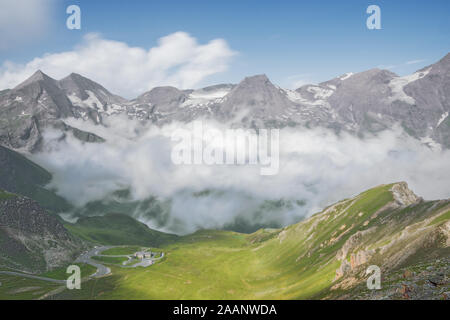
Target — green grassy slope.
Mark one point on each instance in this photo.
(110, 260)
(5, 195)
(61, 273)
(117, 229)
(20, 288)
(296, 262)
(117, 251)
(22, 176)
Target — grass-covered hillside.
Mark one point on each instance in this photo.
(324, 256)
(117, 229)
(22, 176)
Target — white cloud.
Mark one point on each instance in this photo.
(178, 60)
(415, 61)
(23, 20)
(393, 66)
(296, 81)
(316, 166)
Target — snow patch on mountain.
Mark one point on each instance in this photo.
(346, 76)
(294, 96)
(91, 102)
(428, 141)
(203, 97)
(297, 98)
(320, 92)
(397, 84)
(443, 117)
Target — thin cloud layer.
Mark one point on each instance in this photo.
(178, 60)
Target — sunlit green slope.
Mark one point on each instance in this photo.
(387, 225)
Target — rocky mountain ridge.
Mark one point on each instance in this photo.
(368, 101)
(387, 226)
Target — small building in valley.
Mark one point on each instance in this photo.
(143, 255)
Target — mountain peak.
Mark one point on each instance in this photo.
(161, 93)
(74, 75)
(376, 71)
(79, 79)
(37, 76)
(84, 88)
(255, 82)
(163, 98)
(165, 89)
(257, 79)
(258, 96)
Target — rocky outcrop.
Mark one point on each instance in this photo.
(353, 242)
(403, 230)
(33, 240)
(358, 257)
(344, 269)
(403, 195)
(429, 280)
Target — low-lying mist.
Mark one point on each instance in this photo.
(316, 168)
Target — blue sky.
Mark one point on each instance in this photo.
(290, 41)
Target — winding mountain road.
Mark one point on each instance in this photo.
(27, 275)
(86, 258)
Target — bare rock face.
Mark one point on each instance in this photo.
(24, 110)
(446, 231)
(358, 99)
(37, 103)
(343, 270)
(353, 242)
(403, 195)
(255, 99)
(361, 257)
(162, 99)
(357, 259)
(354, 246)
(431, 94)
(32, 239)
(89, 99)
